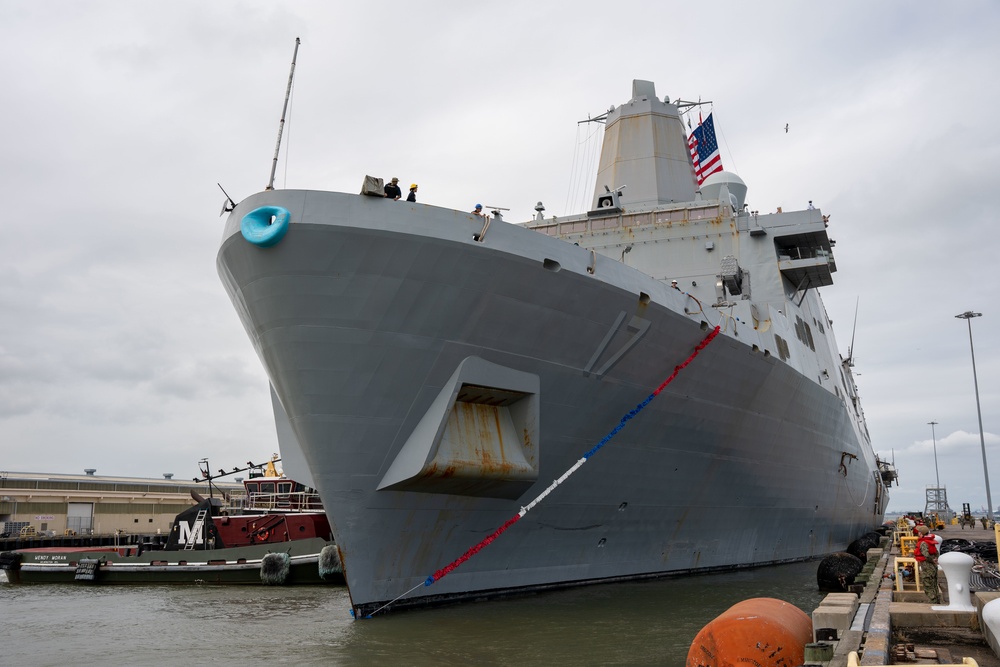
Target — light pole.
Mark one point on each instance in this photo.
(934, 440)
(967, 316)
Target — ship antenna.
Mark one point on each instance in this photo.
(850, 350)
(229, 204)
(281, 125)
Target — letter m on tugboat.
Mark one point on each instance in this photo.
(185, 533)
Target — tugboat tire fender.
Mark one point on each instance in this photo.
(275, 568)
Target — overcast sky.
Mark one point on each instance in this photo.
(119, 349)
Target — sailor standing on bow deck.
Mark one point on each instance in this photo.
(392, 190)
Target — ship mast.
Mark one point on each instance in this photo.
(281, 124)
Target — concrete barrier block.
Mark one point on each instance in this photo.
(913, 615)
(848, 600)
(830, 616)
(909, 596)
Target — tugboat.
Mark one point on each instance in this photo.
(278, 533)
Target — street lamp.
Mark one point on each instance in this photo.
(934, 440)
(967, 316)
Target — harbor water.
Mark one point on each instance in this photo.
(632, 623)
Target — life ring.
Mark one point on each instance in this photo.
(265, 226)
(263, 535)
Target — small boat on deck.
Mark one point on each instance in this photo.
(277, 533)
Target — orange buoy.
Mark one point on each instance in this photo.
(764, 632)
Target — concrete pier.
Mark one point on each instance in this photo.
(889, 623)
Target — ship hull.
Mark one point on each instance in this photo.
(367, 311)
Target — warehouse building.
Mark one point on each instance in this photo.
(91, 504)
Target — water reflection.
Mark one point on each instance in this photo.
(637, 623)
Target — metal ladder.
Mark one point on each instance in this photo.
(199, 524)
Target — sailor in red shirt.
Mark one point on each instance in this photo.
(926, 553)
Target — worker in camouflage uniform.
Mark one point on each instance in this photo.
(926, 553)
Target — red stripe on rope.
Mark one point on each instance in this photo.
(677, 369)
(471, 552)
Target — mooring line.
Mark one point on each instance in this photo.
(393, 601)
(439, 574)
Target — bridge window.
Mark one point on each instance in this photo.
(804, 333)
(782, 347)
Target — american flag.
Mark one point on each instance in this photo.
(704, 150)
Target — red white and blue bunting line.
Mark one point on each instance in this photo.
(444, 571)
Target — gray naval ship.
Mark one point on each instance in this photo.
(434, 371)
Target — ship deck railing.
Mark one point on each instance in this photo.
(284, 502)
(667, 215)
(803, 253)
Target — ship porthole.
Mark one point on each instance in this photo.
(265, 226)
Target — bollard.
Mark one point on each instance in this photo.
(958, 570)
(819, 652)
(991, 619)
